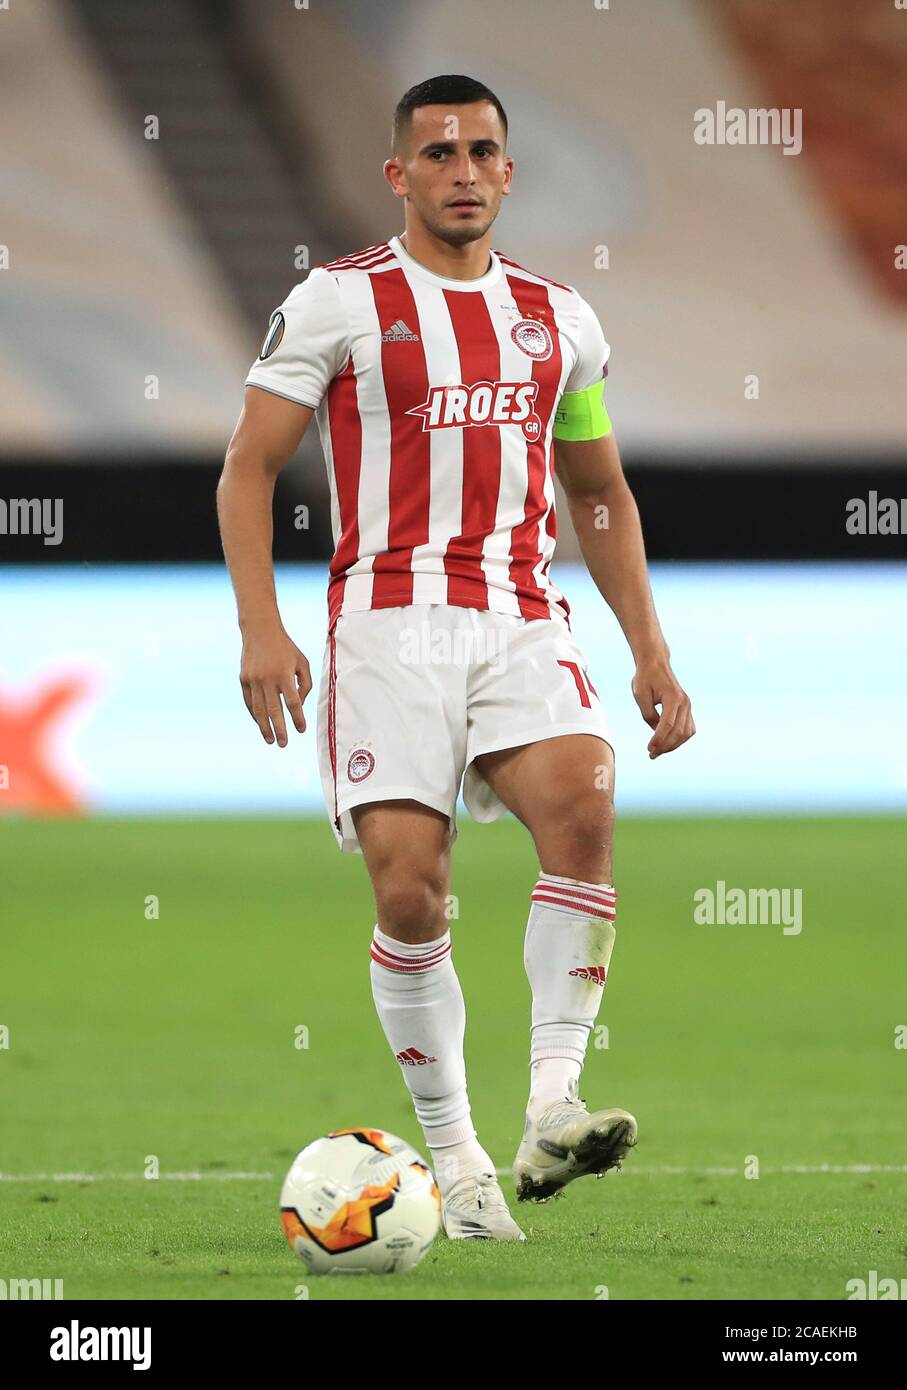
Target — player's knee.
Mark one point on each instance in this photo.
(412, 907)
(586, 815)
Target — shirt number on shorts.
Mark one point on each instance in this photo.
(583, 683)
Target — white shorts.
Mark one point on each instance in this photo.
(410, 696)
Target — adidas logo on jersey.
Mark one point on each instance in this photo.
(483, 403)
(412, 1057)
(399, 333)
(596, 973)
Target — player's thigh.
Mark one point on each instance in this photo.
(562, 790)
(406, 847)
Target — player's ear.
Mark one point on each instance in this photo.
(393, 172)
(508, 177)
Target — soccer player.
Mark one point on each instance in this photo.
(450, 385)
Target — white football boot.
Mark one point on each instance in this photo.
(475, 1209)
(562, 1141)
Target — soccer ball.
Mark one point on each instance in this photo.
(360, 1201)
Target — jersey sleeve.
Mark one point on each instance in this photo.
(307, 343)
(592, 352)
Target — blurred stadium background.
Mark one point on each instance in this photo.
(173, 167)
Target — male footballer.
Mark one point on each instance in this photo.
(450, 387)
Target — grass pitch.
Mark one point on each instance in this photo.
(175, 1037)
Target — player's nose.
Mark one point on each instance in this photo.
(465, 172)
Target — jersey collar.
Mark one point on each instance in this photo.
(414, 267)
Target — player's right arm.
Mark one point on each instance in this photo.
(273, 668)
(306, 346)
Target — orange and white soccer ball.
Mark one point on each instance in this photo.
(360, 1201)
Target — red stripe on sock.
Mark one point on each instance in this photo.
(602, 892)
(408, 964)
(587, 906)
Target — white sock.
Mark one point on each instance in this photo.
(569, 939)
(420, 1005)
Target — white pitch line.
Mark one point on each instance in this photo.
(129, 1177)
(668, 1170)
(784, 1168)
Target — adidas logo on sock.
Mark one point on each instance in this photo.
(590, 972)
(399, 333)
(412, 1057)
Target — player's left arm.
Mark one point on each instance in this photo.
(606, 520)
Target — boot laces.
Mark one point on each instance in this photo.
(561, 1111)
(481, 1190)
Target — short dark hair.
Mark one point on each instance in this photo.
(452, 89)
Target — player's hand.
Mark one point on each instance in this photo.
(274, 673)
(656, 685)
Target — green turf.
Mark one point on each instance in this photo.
(175, 1038)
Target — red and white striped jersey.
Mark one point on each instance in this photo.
(435, 402)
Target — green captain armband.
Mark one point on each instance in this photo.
(582, 414)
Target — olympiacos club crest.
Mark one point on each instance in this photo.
(532, 338)
(361, 763)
